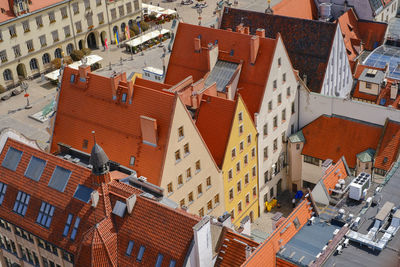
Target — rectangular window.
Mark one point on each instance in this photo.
(269, 106)
(288, 93)
(182, 202)
(284, 137)
(274, 85)
(240, 129)
(275, 144)
(253, 152)
(368, 85)
(3, 189)
(240, 117)
(68, 224)
(311, 160)
(266, 177)
(283, 115)
(240, 207)
(293, 109)
(121, 11)
(159, 260)
(113, 13)
(132, 161)
(59, 178)
(216, 199)
(100, 18)
(209, 205)
(199, 190)
(75, 229)
(231, 194)
(180, 180)
(246, 179)
(35, 168)
(238, 167)
(265, 129)
(29, 45)
(201, 212)
(245, 160)
(1, 37)
(279, 62)
(45, 215)
(12, 159)
(87, 4)
(78, 26)
(239, 187)
(21, 203)
(17, 51)
(188, 173)
(136, 4)
(265, 153)
(67, 31)
(64, 13)
(208, 182)
(230, 175)
(140, 253)
(279, 99)
(241, 146)
(254, 191)
(284, 78)
(190, 197)
(129, 248)
(55, 36)
(89, 19)
(169, 188)
(181, 133)
(52, 17)
(75, 8)
(249, 139)
(177, 155)
(42, 40)
(232, 214)
(25, 25)
(12, 30)
(198, 167)
(129, 8)
(247, 199)
(275, 122)
(233, 153)
(39, 21)
(253, 171)
(98, 2)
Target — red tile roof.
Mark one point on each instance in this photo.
(333, 174)
(117, 125)
(214, 121)
(334, 137)
(102, 237)
(364, 96)
(355, 31)
(389, 147)
(302, 9)
(33, 6)
(184, 61)
(232, 249)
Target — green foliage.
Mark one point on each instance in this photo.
(135, 29)
(77, 55)
(144, 25)
(86, 51)
(56, 63)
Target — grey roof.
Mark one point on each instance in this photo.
(98, 158)
(367, 155)
(302, 249)
(385, 54)
(221, 74)
(297, 137)
(393, 30)
(378, 78)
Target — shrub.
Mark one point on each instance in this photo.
(77, 55)
(86, 51)
(144, 25)
(2, 89)
(135, 29)
(132, 33)
(56, 63)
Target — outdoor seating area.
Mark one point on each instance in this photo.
(147, 40)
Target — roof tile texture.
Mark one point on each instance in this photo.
(389, 147)
(333, 174)
(302, 9)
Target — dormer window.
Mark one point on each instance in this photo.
(123, 98)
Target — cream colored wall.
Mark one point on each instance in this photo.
(295, 164)
(198, 151)
(373, 91)
(34, 33)
(362, 167)
(311, 173)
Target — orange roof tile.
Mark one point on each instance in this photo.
(184, 61)
(232, 249)
(333, 137)
(117, 125)
(333, 174)
(214, 121)
(302, 9)
(389, 147)
(102, 237)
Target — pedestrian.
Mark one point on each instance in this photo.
(294, 202)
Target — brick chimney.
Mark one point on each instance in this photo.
(83, 71)
(393, 90)
(260, 32)
(197, 45)
(254, 45)
(246, 30)
(149, 130)
(239, 28)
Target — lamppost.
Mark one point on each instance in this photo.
(24, 86)
(199, 11)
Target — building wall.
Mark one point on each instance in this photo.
(363, 167)
(100, 31)
(311, 173)
(295, 164)
(229, 164)
(374, 90)
(283, 128)
(388, 12)
(198, 151)
(338, 79)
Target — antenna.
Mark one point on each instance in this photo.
(94, 136)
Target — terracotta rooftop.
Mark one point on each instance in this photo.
(302, 9)
(370, 34)
(233, 47)
(33, 6)
(214, 121)
(334, 173)
(117, 124)
(104, 232)
(389, 147)
(339, 137)
(232, 249)
(308, 42)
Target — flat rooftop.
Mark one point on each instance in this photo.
(357, 255)
(221, 74)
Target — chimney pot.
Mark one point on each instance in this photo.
(260, 32)
(246, 30)
(254, 45)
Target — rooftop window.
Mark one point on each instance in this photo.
(45, 216)
(83, 193)
(172, 263)
(68, 224)
(35, 168)
(21, 203)
(159, 260)
(75, 229)
(140, 254)
(59, 179)
(12, 159)
(129, 248)
(3, 188)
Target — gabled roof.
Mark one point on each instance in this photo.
(334, 137)
(334, 174)
(214, 121)
(117, 125)
(308, 42)
(366, 156)
(233, 47)
(102, 237)
(232, 249)
(302, 9)
(389, 147)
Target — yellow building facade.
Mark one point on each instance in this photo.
(240, 167)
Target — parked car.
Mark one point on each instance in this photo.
(200, 5)
(186, 2)
(6, 97)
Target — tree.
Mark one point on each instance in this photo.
(135, 29)
(86, 51)
(144, 25)
(77, 55)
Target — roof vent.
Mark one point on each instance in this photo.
(67, 157)
(76, 160)
(142, 179)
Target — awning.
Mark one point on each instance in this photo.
(144, 38)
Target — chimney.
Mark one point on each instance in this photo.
(115, 79)
(245, 224)
(239, 28)
(83, 72)
(94, 196)
(130, 203)
(149, 130)
(246, 30)
(203, 253)
(393, 90)
(197, 45)
(325, 165)
(229, 29)
(254, 45)
(225, 219)
(212, 55)
(260, 32)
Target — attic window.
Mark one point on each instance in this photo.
(68, 224)
(83, 193)
(132, 161)
(350, 27)
(72, 78)
(59, 179)
(12, 159)
(123, 98)
(129, 248)
(140, 254)
(159, 260)
(385, 159)
(232, 52)
(45, 215)
(296, 223)
(75, 229)
(172, 263)
(3, 188)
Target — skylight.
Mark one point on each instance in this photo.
(172, 263)
(75, 229)
(12, 159)
(59, 179)
(68, 224)
(119, 208)
(35, 168)
(140, 254)
(129, 248)
(3, 188)
(21, 203)
(45, 216)
(159, 260)
(83, 193)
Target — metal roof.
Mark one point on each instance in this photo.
(372, 76)
(221, 74)
(383, 55)
(367, 155)
(393, 30)
(297, 137)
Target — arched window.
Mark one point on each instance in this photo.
(115, 29)
(33, 64)
(70, 47)
(57, 53)
(7, 75)
(46, 58)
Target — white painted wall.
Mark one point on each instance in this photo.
(202, 250)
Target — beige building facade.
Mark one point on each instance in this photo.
(29, 42)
